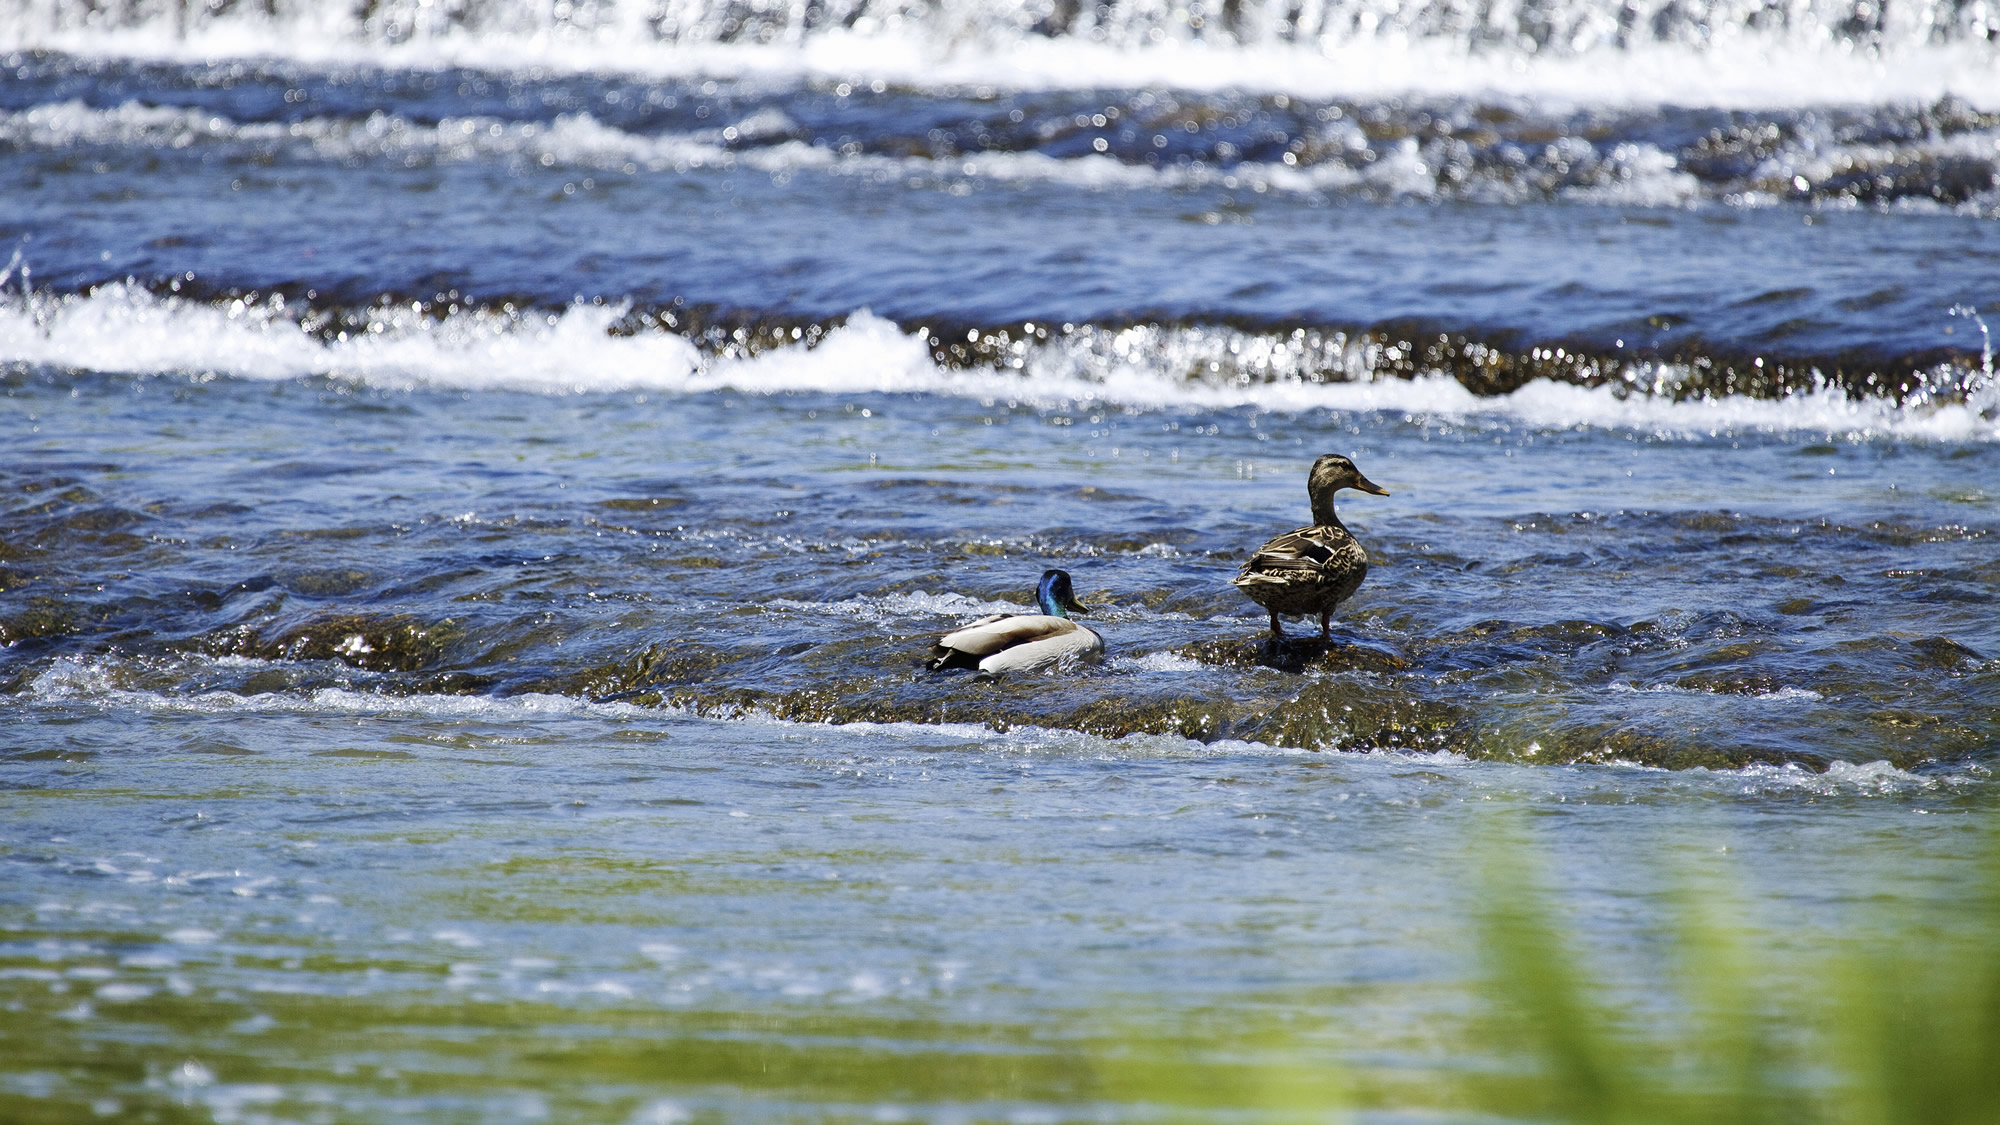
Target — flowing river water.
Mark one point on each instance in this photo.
(479, 484)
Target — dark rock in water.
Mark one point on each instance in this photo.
(395, 643)
(102, 519)
(1915, 737)
(1344, 714)
(48, 505)
(642, 503)
(717, 683)
(42, 617)
(1571, 743)
(322, 533)
(1298, 654)
(1189, 716)
(1732, 682)
(1091, 713)
(646, 676)
(1943, 652)
(331, 582)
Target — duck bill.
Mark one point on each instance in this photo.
(1366, 485)
(1073, 605)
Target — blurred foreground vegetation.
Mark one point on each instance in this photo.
(1896, 1019)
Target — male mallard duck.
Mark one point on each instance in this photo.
(1022, 642)
(1315, 568)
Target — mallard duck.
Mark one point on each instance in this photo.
(1315, 568)
(1022, 642)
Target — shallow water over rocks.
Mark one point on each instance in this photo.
(1528, 599)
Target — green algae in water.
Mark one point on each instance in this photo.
(1902, 1025)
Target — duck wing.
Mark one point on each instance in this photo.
(989, 635)
(1297, 554)
(965, 646)
(978, 644)
(1029, 656)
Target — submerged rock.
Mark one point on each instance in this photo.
(1298, 654)
(40, 618)
(377, 643)
(1346, 715)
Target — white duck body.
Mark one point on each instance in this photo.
(1022, 642)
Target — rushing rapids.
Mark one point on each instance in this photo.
(1523, 26)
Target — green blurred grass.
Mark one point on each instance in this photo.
(1897, 1021)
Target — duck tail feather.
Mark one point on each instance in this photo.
(944, 659)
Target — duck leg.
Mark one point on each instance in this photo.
(1326, 626)
(1277, 630)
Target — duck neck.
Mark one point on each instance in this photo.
(1323, 513)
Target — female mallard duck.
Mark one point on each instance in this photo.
(1315, 568)
(1022, 642)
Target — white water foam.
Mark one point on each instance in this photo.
(76, 681)
(1781, 695)
(125, 329)
(1843, 779)
(71, 682)
(901, 607)
(1158, 662)
(960, 46)
(1632, 174)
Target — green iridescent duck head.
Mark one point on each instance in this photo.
(1055, 594)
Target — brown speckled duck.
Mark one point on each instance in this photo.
(1315, 568)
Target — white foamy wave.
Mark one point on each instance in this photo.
(1627, 174)
(1587, 52)
(1850, 779)
(1843, 779)
(579, 142)
(125, 329)
(1157, 662)
(570, 139)
(901, 607)
(74, 681)
(1640, 175)
(1781, 695)
(1759, 779)
(1147, 379)
(1830, 412)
